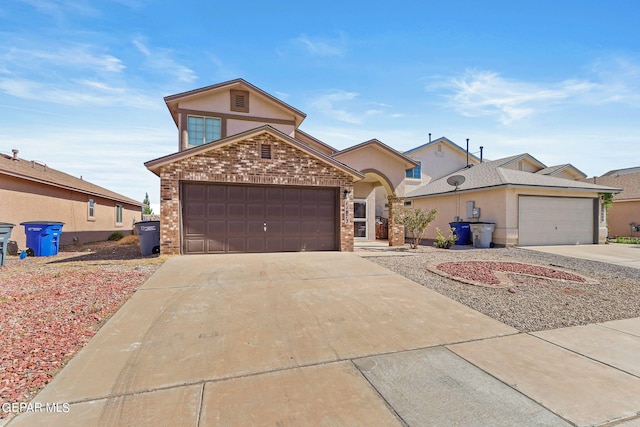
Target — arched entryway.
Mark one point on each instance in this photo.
(374, 200)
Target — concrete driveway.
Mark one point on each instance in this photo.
(614, 253)
(330, 339)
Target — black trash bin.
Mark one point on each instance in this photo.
(43, 237)
(5, 233)
(149, 236)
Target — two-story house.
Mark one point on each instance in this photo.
(245, 178)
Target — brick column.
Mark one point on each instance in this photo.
(396, 231)
(169, 217)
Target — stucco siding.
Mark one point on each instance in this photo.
(620, 215)
(238, 126)
(29, 201)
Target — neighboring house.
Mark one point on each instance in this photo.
(528, 208)
(624, 214)
(245, 178)
(33, 191)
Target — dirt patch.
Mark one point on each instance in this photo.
(50, 307)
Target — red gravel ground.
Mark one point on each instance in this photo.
(483, 271)
(50, 307)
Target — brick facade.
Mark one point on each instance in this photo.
(241, 162)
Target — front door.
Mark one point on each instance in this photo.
(360, 219)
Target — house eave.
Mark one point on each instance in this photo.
(156, 164)
(72, 188)
(517, 186)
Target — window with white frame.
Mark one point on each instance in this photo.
(415, 172)
(203, 129)
(119, 214)
(91, 210)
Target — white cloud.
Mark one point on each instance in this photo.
(161, 60)
(486, 93)
(75, 56)
(322, 47)
(336, 103)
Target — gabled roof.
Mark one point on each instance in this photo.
(172, 100)
(446, 141)
(155, 165)
(628, 182)
(409, 163)
(43, 174)
(518, 157)
(493, 174)
(554, 170)
(326, 148)
(623, 171)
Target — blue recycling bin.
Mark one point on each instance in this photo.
(462, 232)
(43, 237)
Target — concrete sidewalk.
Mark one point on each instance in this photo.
(332, 339)
(613, 253)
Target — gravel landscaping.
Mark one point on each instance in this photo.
(50, 307)
(529, 303)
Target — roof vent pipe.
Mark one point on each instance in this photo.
(481, 148)
(467, 152)
(15, 154)
(429, 136)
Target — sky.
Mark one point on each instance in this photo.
(82, 82)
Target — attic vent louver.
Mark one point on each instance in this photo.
(240, 101)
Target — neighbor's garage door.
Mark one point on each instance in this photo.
(555, 221)
(219, 218)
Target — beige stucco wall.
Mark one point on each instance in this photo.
(620, 215)
(238, 126)
(436, 164)
(29, 201)
(378, 159)
(221, 102)
(499, 206)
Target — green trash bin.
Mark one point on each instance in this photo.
(5, 233)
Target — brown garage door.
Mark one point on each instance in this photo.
(220, 218)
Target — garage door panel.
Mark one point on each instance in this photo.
(236, 227)
(196, 210)
(214, 192)
(555, 221)
(215, 246)
(236, 194)
(255, 228)
(221, 218)
(236, 210)
(309, 211)
(275, 228)
(291, 228)
(236, 244)
(195, 246)
(255, 211)
(216, 210)
(291, 195)
(274, 211)
(291, 211)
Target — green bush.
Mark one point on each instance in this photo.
(445, 242)
(115, 236)
(628, 240)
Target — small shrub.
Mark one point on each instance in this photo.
(628, 240)
(115, 236)
(445, 242)
(416, 221)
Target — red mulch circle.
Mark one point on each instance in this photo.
(483, 271)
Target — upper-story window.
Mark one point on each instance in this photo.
(203, 129)
(415, 172)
